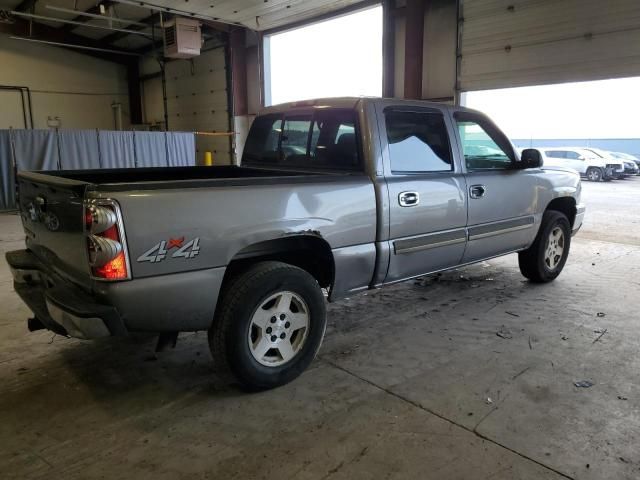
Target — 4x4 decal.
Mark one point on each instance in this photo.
(160, 250)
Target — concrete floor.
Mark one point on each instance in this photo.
(412, 382)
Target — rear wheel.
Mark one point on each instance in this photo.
(545, 258)
(270, 325)
(595, 174)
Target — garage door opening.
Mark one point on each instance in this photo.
(337, 57)
(600, 114)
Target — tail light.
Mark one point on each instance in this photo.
(106, 244)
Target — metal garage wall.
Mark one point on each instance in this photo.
(509, 43)
(197, 101)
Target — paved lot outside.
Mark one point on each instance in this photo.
(412, 382)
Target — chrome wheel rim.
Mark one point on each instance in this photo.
(554, 248)
(593, 175)
(279, 328)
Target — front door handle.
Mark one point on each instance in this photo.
(477, 191)
(408, 199)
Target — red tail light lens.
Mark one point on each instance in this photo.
(115, 269)
(105, 241)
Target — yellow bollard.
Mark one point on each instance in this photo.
(208, 159)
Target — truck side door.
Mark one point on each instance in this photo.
(427, 192)
(502, 198)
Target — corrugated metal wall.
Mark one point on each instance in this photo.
(197, 101)
(508, 43)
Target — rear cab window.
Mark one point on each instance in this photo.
(323, 140)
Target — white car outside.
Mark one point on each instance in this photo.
(610, 159)
(584, 161)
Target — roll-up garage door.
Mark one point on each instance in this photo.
(197, 101)
(510, 43)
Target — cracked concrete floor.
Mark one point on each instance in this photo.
(412, 382)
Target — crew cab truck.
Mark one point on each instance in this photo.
(333, 197)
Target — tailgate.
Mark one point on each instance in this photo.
(51, 208)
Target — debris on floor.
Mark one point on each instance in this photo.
(583, 384)
(511, 313)
(504, 332)
(601, 332)
(620, 397)
(601, 314)
(564, 337)
(488, 401)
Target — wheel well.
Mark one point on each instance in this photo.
(308, 252)
(566, 205)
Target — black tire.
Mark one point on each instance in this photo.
(595, 174)
(240, 299)
(532, 262)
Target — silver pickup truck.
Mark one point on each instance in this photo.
(334, 196)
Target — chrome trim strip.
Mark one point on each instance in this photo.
(502, 231)
(428, 246)
(429, 241)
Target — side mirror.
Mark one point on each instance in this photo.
(581, 158)
(530, 158)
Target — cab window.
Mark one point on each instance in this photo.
(293, 141)
(325, 139)
(418, 142)
(484, 147)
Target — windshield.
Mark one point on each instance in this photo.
(324, 139)
(624, 156)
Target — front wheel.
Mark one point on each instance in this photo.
(545, 258)
(269, 326)
(595, 174)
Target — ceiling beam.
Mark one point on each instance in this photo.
(39, 31)
(80, 18)
(150, 20)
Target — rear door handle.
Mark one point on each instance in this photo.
(477, 191)
(408, 199)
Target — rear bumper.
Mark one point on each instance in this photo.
(59, 305)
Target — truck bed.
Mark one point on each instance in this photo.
(168, 174)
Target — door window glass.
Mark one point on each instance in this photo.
(481, 147)
(556, 154)
(418, 142)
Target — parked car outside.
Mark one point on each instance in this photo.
(333, 195)
(586, 163)
(618, 173)
(631, 163)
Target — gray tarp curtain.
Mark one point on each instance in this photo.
(149, 151)
(117, 149)
(88, 149)
(79, 149)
